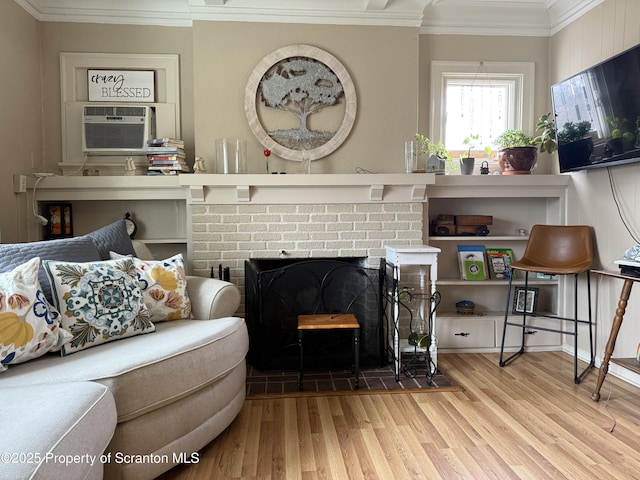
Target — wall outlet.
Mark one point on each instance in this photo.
(19, 183)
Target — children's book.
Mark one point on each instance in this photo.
(472, 262)
(499, 260)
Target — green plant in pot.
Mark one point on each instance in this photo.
(547, 140)
(517, 152)
(438, 159)
(467, 162)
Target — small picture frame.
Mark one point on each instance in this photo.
(60, 224)
(525, 301)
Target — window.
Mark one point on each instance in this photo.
(480, 98)
(477, 107)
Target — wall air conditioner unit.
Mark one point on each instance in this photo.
(117, 129)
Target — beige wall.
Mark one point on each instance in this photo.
(486, 48)
(382, 62)
(80, 37)
(20, 113)
(604, 31)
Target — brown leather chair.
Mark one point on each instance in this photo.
(554, 250)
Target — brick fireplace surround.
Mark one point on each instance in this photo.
(237, 217)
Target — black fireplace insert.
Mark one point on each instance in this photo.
(278, 290)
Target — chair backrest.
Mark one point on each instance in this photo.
(560, 248)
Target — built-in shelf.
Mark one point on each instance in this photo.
(493, 283)
(152, 241)
(515, 203)
(479, 239)
(628, 363)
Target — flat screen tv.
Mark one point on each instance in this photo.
(598, 114)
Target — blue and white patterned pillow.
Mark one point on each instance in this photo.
(98, 301)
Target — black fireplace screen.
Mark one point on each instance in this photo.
(278, 290)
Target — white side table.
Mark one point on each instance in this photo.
(422, 255)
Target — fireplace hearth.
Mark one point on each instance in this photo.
(278, 290)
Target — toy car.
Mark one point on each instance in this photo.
(461, 225)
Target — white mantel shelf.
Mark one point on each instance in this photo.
(142, 187)
(307, 189)
(502, 186)
(295, 188)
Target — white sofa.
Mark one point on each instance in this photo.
(137, 406)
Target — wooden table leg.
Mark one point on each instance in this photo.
(611, 343)
(356, 348)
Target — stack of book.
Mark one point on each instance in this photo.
(480, 263)
(166, 156)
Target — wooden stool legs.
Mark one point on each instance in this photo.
(329, 322)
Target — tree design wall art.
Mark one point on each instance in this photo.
(300, 99)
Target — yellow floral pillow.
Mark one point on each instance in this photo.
(164, 288)
(29, 326)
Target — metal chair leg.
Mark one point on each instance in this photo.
(578, 378)
(502, 361)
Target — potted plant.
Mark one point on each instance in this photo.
(517, 153)
(547, 140)
(438, 158)
(467, 162)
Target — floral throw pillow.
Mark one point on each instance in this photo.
(98, 301)
(164, 287)
(29, 326)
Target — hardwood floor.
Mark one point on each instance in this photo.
(526, 420)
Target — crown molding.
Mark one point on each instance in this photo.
(404, 13)
(562, 13)
(486, 17)
(458, 17)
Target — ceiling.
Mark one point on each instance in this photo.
(473, 17)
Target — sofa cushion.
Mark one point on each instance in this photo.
(112, 237)
(192, 353)
(45, 425)
(29, 326)
(98, 301)
(78, 249)
(164, 287)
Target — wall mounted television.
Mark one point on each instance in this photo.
(598, 114)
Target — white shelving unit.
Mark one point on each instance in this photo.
(515, 202)
(156, 204)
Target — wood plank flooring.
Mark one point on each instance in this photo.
(524, 421)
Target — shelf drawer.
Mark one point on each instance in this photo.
(473, 332)
(532, 337)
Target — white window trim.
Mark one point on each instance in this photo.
(522, 72)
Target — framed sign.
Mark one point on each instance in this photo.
(121, 85)
(525, 301)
